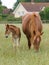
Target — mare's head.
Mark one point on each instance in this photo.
(37, 40)
(7, 31)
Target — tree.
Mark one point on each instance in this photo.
(46, 11)
(47, 0)
(16, 3)
(0, 2)
(41, 0)
(45, 14)
(27, 0)
(24, 0)
(42, 15)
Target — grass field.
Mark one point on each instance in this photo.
(24, 56)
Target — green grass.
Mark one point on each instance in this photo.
(23, 56)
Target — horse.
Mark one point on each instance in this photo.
(32, 28)
(16, 34)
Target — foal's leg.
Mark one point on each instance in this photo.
(18, 42)
(14, 44)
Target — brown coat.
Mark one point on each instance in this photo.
(32, 28)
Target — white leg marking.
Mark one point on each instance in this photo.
(14, 44)
(18, 42)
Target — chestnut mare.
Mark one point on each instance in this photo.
(32, 28)
(16, 34)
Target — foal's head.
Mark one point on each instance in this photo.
(7, 31)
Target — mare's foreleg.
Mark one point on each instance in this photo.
(29, 43)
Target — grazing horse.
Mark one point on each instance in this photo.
(16, 34)
(32, 28)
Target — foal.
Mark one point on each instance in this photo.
(16, 34)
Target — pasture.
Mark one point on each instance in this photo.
(23, 55)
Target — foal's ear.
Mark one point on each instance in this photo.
(7, 25)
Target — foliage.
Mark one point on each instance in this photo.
(24, 0)
(46, 11)
(2, 8)
(12, 18)
(45, 14)
(4, 15)
(42, 15)
(15, 5)
(0, 18)
(17, 2)
(41, 0)
(0, 2)
(47, 0)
